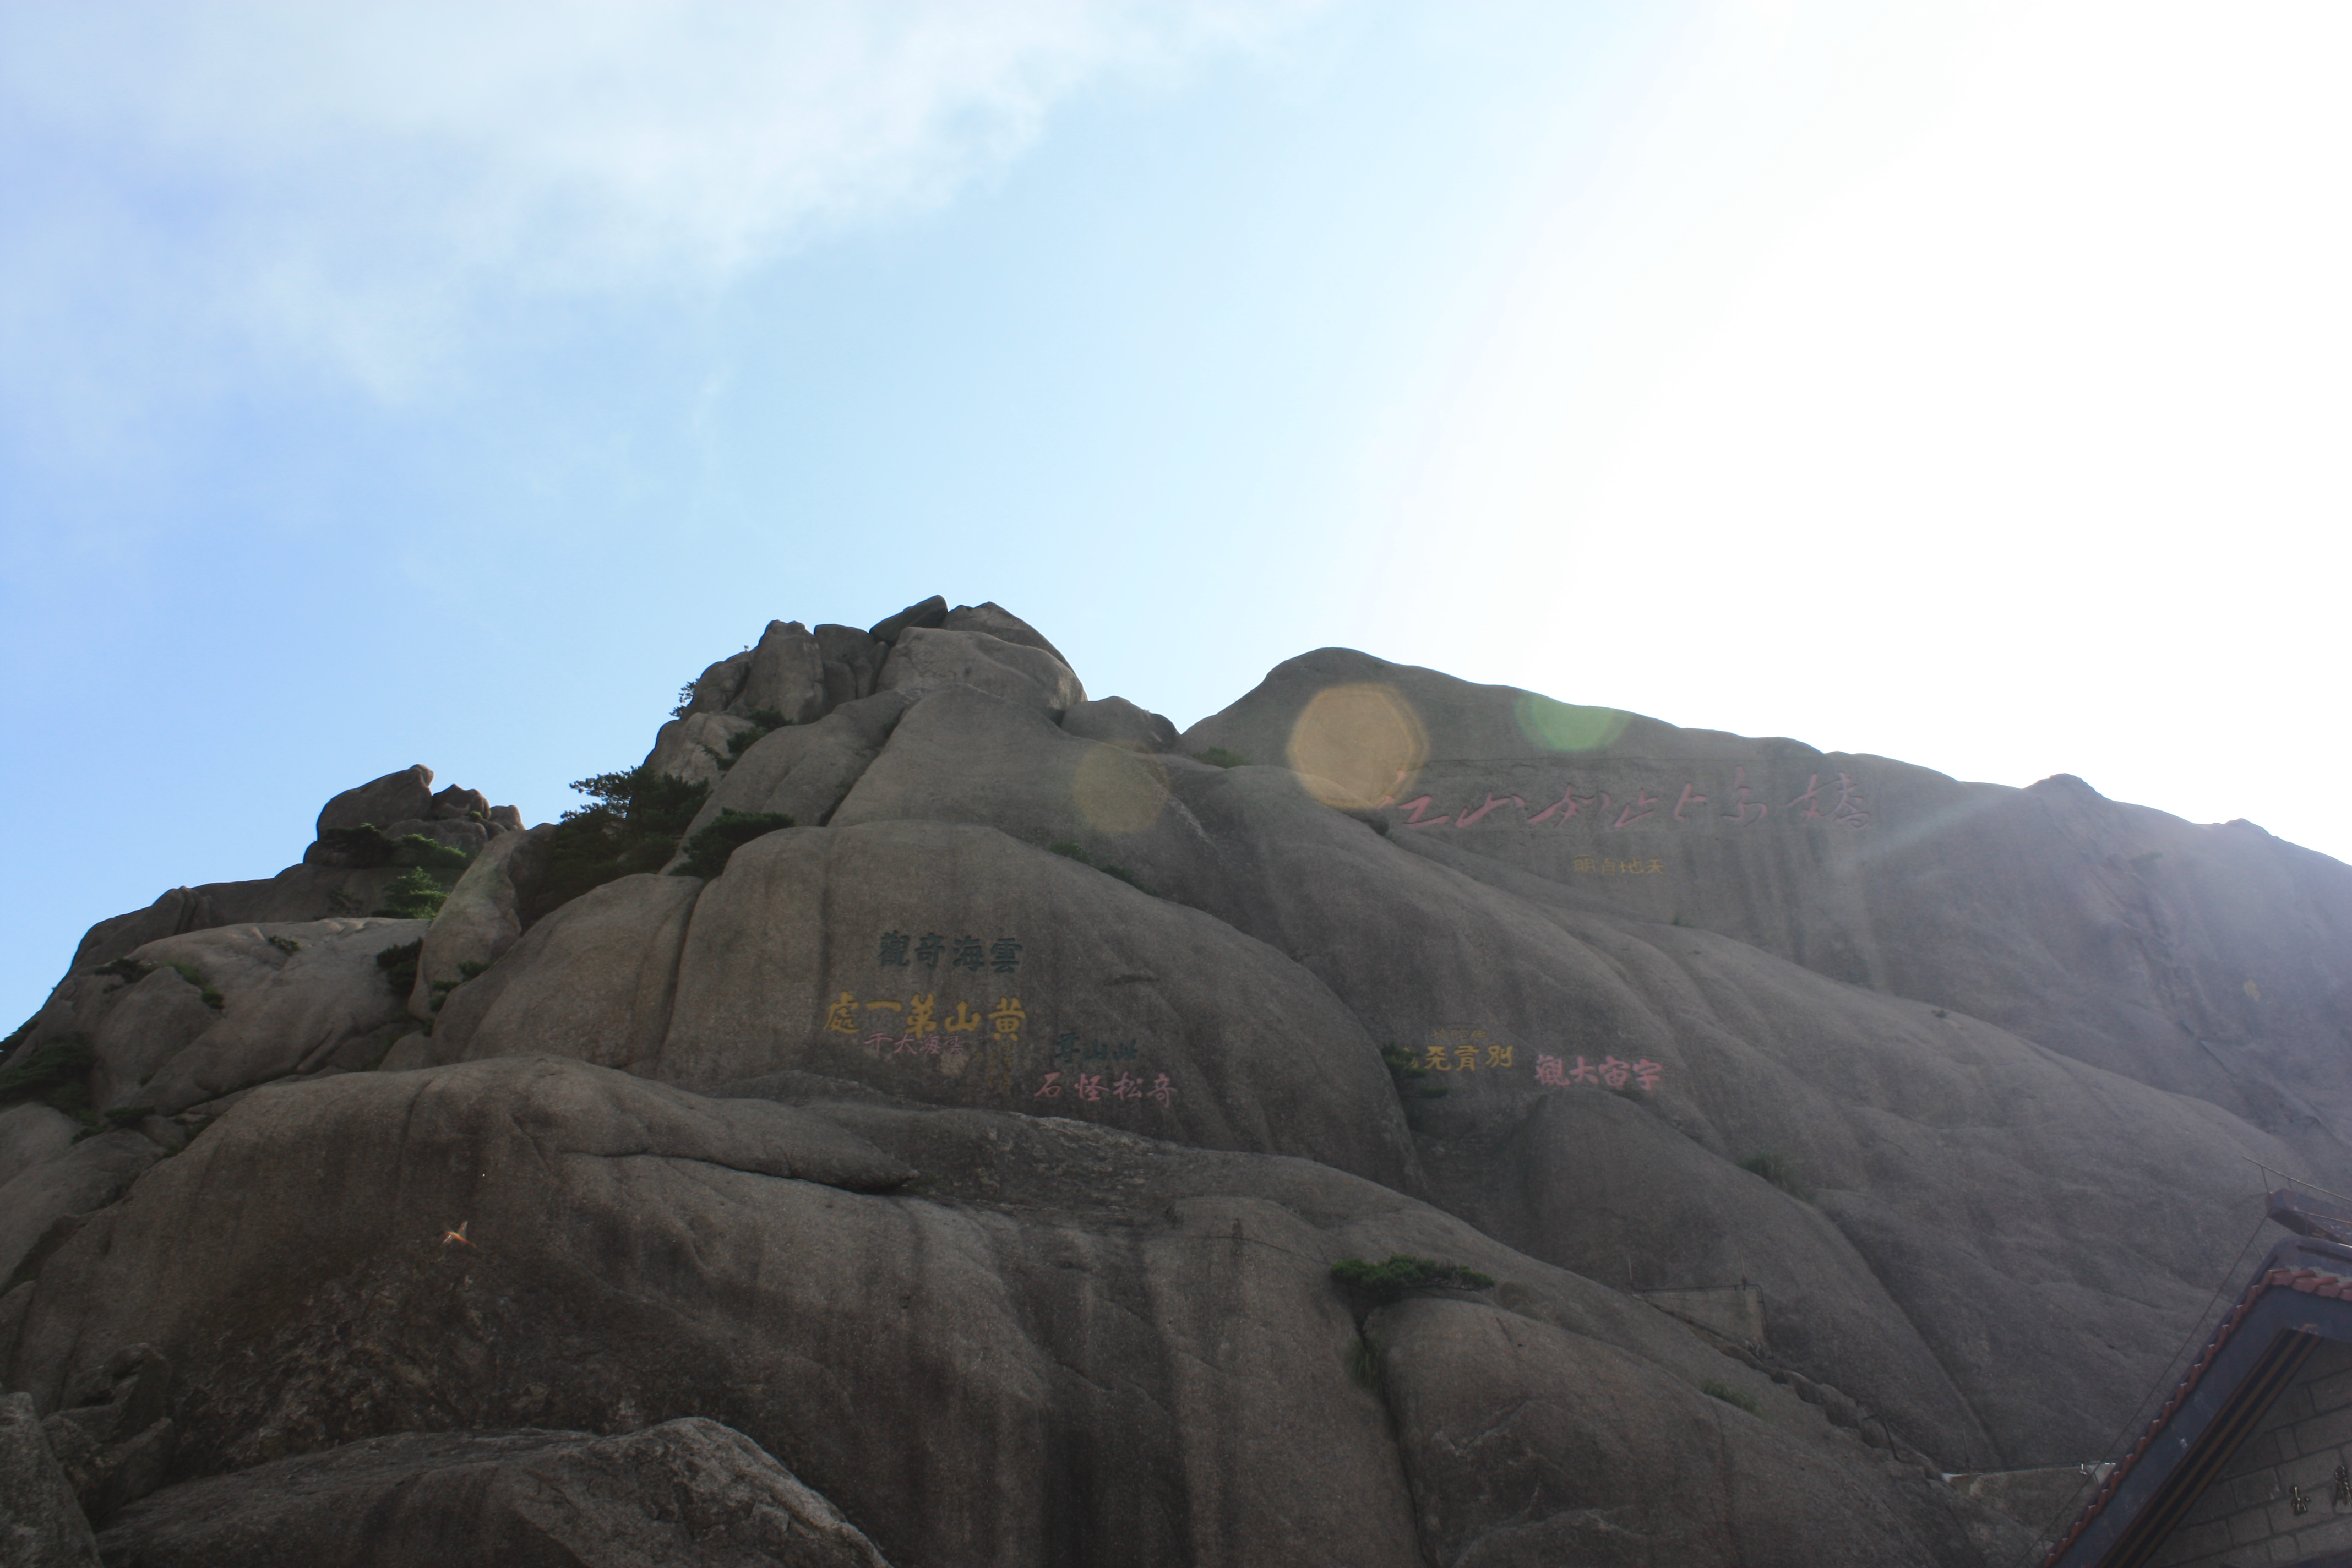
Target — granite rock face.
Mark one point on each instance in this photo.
(977, 1150)
(685, 1494)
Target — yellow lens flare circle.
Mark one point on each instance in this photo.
(1119, 791)
(1356, 745)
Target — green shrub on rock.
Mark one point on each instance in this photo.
(54, 1064)
(706, 851)
(413, 895)
(633, 827)
(1382, 1283)
(399, 965)
(765, 722)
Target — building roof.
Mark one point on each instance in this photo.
(2299, 1294)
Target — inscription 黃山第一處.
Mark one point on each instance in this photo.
(954, 1038)
(1834, 798)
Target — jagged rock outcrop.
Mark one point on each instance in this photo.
(978, 1146)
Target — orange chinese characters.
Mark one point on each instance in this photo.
(1008, 1016)
(842, 1016)
(962, 1021)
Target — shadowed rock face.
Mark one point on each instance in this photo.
(977, 1147)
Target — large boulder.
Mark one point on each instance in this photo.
(953, 965)
(853, 661)
(291, 998)
(1120, 722)
(694, 749)
(688, 1493)
(925, 661)
(964, 755)
(481, 918)
(923, 613)
(395, 797)
(1076, 1346)
(1000, 624)
(805, 770)
(786, 676)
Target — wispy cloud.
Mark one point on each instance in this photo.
(349, 187)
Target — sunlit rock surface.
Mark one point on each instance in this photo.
(974, 1152)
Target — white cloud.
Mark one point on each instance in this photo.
(351, 185)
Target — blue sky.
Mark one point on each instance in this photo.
(445, 383)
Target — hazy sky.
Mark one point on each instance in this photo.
(447, 383)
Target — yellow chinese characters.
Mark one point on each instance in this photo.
(1606, 867)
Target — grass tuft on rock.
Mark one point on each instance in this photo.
(1730, 1395)
(707, 852)
(1403, 1273)
(1780, 1170)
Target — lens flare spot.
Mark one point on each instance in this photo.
(1119, 791)
(1565, 727)
(1353, 746)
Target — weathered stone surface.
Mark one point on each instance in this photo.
(1528, 1447)
(718, 686)
(1120, 722)
(481, 918)
(779, 964)
(1148, 1368)
(142, 1027)
(304, 892)
(2115, 934)
(925, 661)
(1634, 1181)
(29, 1134)
(597, 979)
(688, 1493)
(85, 1177)
(505, 819)
(852, 660)
(458, 803)
(963, 755)
(110, 1433)
(1000, 624)
(692, 747)
(325, 1001)
(786, 676)
(928, 612)
(805, 770)
(40, 1524)
(392, 798)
